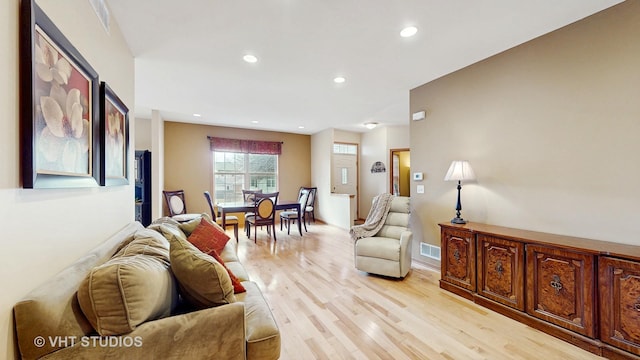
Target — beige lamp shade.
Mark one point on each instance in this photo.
(460, 170)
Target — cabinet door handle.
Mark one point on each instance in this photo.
(499, 268)
(636, 306)
(556, 284)
(456, 254)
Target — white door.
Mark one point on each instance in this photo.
(345, 174)
(344, 179)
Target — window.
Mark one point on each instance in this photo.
(236, 171)
(347, 149)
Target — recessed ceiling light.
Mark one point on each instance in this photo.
(300, 127)
(408, 31)
(250, 59)
(339, 80)
(197, 115)
(370, 125)
(254, 121)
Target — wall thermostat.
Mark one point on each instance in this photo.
(417, 176)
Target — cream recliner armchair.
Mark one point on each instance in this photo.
(388, 252)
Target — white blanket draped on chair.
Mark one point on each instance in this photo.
(376, 218)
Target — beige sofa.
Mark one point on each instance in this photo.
(50, 323)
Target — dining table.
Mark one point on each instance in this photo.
(249, 206)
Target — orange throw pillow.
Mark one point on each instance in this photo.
(237, 285)
(207, 237)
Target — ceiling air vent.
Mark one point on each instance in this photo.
(103, 13)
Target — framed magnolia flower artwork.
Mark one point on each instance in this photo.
(58, 107)
(114, 133)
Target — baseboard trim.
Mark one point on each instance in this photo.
(428, 263)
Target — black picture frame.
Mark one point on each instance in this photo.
(59, 119)
(114, 138)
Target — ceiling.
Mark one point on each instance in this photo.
(188, 55)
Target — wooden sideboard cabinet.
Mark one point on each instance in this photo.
(620, 303)
(583, 291)
(501, 270)
(560, 288)
(459, 260)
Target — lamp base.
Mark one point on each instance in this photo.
(458, 220)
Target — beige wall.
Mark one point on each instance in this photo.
(551, 129)
(188, 161)
(45, 230)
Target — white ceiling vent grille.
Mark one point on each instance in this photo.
(101, 10)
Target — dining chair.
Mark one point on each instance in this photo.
(229, 220)
(293, 215)
(264, 213)
(310, 207)
(249, 197)
(177, 206)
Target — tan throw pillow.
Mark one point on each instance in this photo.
(134, 286)
(202, 280)
(168, 230)
(126, 291)
(188, 226)
(145, 242)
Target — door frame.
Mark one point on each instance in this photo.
(391, 153)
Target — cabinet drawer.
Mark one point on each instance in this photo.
(560, 288)
(501, 270)
(458, 264)
(620, 303)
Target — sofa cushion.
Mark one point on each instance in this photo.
(237, 269)
(202, 280)
(134, 286)
(237, 286)
(52, 308)
(208, 237)
(230, 252)
(263, 336)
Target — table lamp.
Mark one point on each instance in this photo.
(459, 171)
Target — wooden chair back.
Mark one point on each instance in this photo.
(311, 199)
(207, 196)
(175, 202)
(249, 195)
(265, 206)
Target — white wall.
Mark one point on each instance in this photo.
(372, 149)
(45, 230)
(373, 146)
(398, 137)
(551, 129)
(143, 134)
(333, 209)
(376, 146)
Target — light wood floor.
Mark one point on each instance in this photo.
(326, 309)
